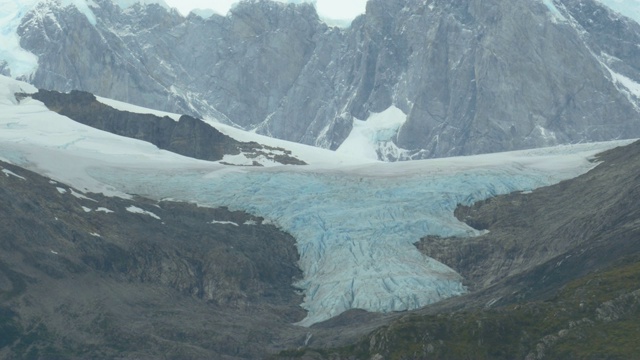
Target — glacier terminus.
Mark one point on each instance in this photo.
(355, 226)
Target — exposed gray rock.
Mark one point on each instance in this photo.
(538, 241)
(4, 68)
(473, 76)
(83, 277)
(189, 136)
(619, 308)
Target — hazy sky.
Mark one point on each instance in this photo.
(334, 9)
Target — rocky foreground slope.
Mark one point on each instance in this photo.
(556, 276)
(471, 76)
(86, 276)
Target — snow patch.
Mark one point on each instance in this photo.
(122, 106)
(104, 210)
(629, 84)
(626, 86)
(61, 190)
(243, 159)
(548, 135)
(8, 173)
(373, 138)
(95, 234)
(137, 210)
(224, 223)
(81, 196)
(86, 209)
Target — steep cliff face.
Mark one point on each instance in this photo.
(472, 76)
(242, 64)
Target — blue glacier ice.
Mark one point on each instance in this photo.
(355, 230)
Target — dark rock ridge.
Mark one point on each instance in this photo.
(189, 136)
(86, 276)
(580, 225)
(556, 276)
(472, 76)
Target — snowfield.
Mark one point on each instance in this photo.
(355, 220)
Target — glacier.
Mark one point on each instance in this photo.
(355, 220)
(355, 227)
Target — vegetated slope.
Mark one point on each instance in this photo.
(472, 76)
(86, 276)
(557, 275)
(188, 136)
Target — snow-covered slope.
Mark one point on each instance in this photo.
(374, 138)
(628, 8)
(306, 153)
(355, 222)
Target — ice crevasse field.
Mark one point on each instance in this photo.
(355, 220)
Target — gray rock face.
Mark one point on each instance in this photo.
(189, 136)
(473, 76)
(555, 233)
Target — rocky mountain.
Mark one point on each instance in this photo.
(469, 76)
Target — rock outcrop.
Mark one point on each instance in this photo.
(188, 136)
(472, 76)
(574, 221)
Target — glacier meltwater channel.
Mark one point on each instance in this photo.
(354, 228)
